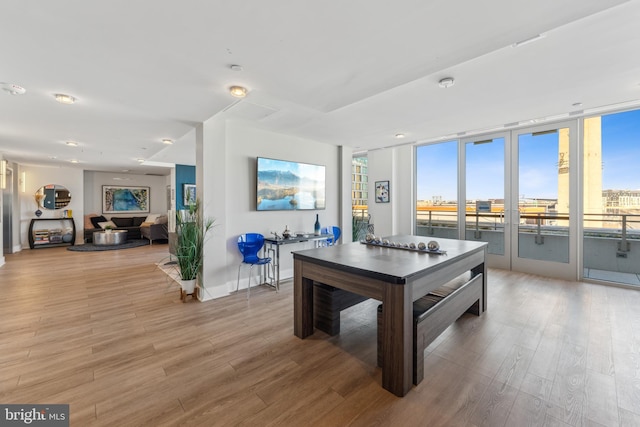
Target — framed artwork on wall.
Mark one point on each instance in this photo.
(284, 185)
(382, 191)
(125, 199)
(188, 194)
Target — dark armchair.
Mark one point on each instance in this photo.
(154, 232)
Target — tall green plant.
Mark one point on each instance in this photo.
(191, 230)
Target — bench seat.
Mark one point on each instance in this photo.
(435, 312)
(328, 302)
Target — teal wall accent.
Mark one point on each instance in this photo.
(185, 174)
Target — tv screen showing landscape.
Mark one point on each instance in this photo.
(285, 186)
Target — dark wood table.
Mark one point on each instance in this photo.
(394, 276)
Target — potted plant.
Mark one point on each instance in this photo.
(191, 231)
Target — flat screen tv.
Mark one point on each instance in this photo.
(288, 186)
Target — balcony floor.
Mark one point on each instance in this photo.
(612, 276)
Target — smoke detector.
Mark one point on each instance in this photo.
(13, 89)
(446, 82)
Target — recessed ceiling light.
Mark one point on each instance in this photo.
(399, 135)
(73, 161)
(64, 98)
(13, 89)
(71, 143)
(238, 91)
(167, 141)
(446, 82)
(577, 104)
(236, 67)
(140, 160)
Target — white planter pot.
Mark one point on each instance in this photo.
(188, 286)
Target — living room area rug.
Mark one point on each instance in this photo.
(90, 247)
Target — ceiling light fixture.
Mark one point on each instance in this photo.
(13, 89)
(446, 82)
(238, 91)
(64, 98)
(399, 135)
(529, 40)
(71, 143)
(140, 161)
(577, 104)
(236, 67)
(73, 161)
(167, 141)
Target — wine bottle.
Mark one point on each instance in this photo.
(316, 226)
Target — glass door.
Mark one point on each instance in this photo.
(437, 190)
(543, 200)
(484, 167)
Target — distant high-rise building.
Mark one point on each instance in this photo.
(359, 182)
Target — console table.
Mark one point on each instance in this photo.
(272, 247)
(49, 232)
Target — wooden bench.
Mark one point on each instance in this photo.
(435, 312)
(328, 302)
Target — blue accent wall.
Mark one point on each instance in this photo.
(185, 174)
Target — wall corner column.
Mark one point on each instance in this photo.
(211, 189)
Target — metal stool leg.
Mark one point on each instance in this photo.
(249, 282)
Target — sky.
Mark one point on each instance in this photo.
(315, 172)
(537, 159)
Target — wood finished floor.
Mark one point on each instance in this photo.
(106, 333)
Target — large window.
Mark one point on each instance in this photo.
(437, 190)
(359, 198)
(611, 197)
(484, 214)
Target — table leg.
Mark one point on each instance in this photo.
(397, 339)
(302, 302)
(276, 267)
(482, 269)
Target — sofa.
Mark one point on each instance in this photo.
(152, 227)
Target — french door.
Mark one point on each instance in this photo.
(519, 193)
(543, 200)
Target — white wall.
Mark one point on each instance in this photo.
(235, 145)
(380, 166)
(395, 165)
(95, 180)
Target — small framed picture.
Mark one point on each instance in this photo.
(188, 194)
(382, 191)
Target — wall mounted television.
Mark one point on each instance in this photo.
(284, 185)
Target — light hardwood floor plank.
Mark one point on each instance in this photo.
(107, 333)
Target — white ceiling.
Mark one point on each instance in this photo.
(344, 72)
